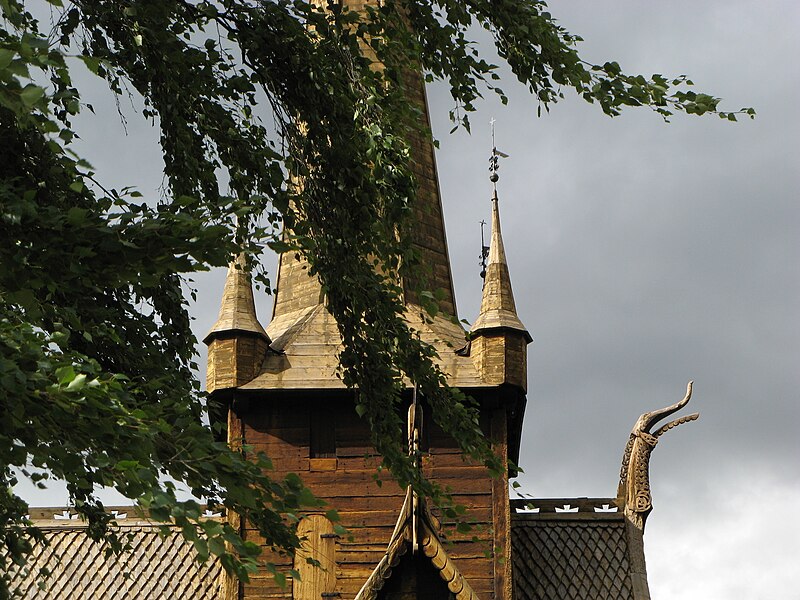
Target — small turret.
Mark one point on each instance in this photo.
(237, 343)
(499, 339)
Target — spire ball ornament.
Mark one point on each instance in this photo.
(494, 160)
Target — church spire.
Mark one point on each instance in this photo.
(498, 337)
(498, 310)
(237, 312)
(298, 292)
(237, 343)
(497, 304)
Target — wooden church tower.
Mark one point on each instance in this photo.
(284, 398)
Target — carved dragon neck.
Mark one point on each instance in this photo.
(633, 493)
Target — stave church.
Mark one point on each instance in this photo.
(277, 379)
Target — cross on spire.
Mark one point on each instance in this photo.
(494, 159)
(484, 251)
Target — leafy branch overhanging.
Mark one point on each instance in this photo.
(97, 382)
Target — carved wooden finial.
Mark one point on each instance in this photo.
(633, 492)
(414, 432)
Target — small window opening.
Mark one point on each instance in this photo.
(323, 432)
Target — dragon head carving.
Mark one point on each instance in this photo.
(633, 493)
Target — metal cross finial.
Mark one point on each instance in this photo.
(494, 163)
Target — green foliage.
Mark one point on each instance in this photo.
(96, 371)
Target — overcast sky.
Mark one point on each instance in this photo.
(642, 255)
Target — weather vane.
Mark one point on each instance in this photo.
(494, 165)
(494, 160)
(484, 252)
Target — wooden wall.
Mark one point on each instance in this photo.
(282, 429)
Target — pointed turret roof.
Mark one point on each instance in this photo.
(498, 310)
(237, 312)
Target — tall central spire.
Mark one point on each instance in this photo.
(304, 337)
(298, 292)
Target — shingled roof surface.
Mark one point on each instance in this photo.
(163, 568)
(570, 556)
(307, 343)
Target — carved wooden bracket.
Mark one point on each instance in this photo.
(633, 493)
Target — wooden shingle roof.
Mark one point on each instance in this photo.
(155, 568)
(583, 555)
(306, 344)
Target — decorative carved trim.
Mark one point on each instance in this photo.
(416, 530)
(633, 492)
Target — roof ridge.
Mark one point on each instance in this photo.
(430, 545)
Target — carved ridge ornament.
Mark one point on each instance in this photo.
(633, 492)
(416, 530)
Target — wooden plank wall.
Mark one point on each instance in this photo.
(368, 510)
